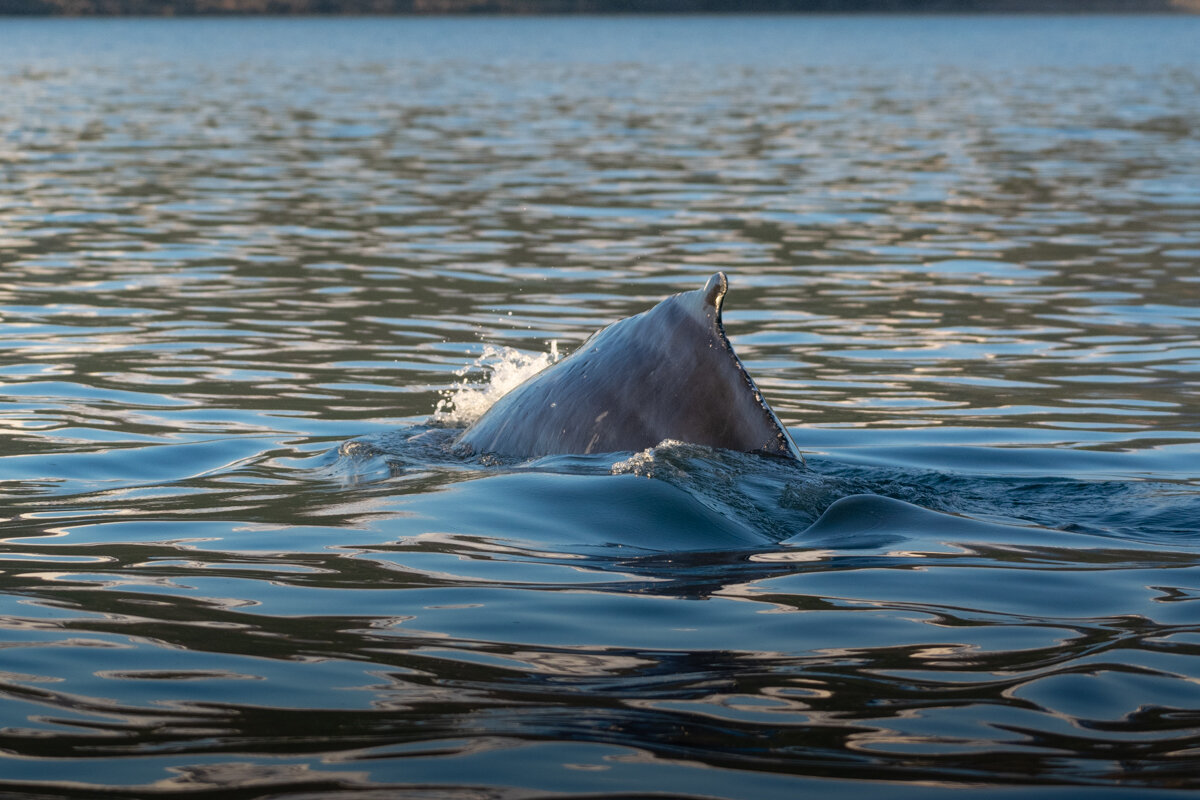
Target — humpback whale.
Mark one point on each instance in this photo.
(668, 373)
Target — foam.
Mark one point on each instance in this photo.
(504, 369)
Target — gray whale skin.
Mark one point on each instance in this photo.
(667, 373)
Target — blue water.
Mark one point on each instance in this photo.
(255, 275)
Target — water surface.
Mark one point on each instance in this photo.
(963, 259)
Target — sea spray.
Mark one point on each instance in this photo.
(504, 369)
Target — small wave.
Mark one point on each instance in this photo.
(646, 464)
(504, 368)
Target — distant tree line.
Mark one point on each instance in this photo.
(212, 7)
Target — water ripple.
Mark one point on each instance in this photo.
(245, 260)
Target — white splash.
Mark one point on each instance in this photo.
(647, 463)
(504, 369)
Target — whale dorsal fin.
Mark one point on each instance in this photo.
(666, 373)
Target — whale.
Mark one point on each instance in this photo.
(666, 374)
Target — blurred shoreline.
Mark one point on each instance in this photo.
(81, 8)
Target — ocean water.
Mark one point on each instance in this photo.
(256, 274)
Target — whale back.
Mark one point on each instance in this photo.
(667, 373)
